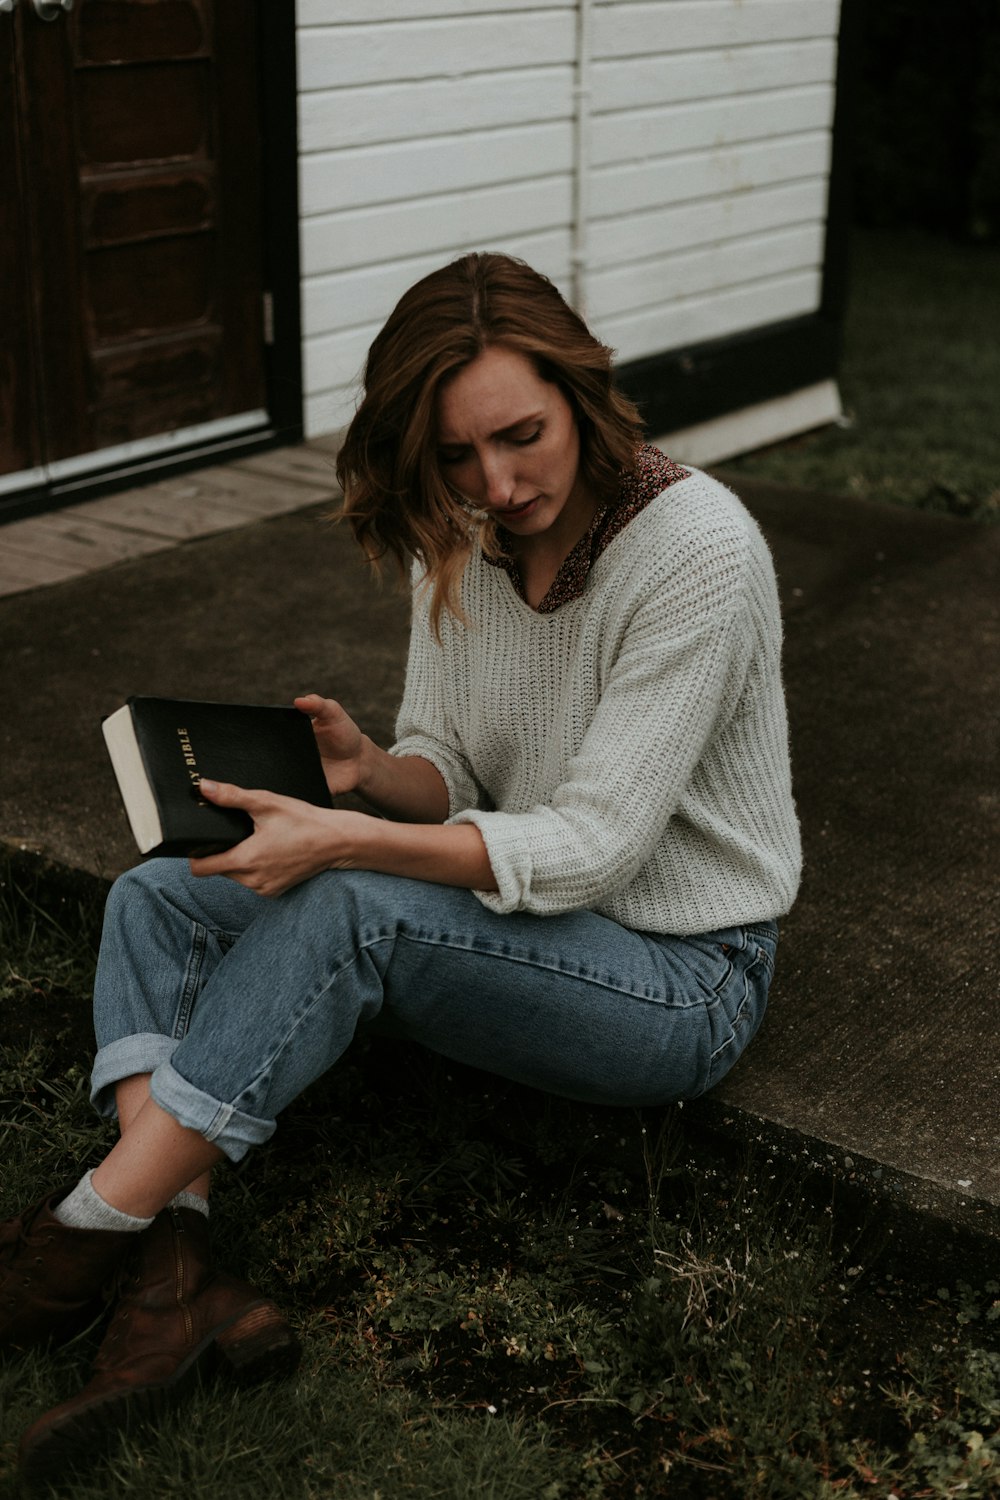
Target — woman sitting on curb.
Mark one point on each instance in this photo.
(580, 844)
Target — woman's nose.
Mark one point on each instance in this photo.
(498, 480)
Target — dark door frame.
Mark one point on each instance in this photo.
(277, 84)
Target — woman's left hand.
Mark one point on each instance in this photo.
(291, 840)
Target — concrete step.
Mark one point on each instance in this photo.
(880, 1055)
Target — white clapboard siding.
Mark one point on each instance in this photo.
(329, 411)
(426, 128)
(431, 127)
(342, 56)
(490, 216)
(710, 147)
(631, 187)
(637, 135)
(631, 29)
(675, 325)
(641, 82)
(692, 273)
(322, 12)
(343, 351)
(411, 169)
(337, 119)
(635, 237)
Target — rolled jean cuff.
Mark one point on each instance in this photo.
(222, 1124)
(124, 1058)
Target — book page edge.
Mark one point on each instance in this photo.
(133, 783)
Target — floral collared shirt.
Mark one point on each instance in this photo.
(652, 473)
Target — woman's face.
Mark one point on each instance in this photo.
(508, 441)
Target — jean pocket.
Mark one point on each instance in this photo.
(738, 1008)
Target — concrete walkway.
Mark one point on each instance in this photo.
(880, 1058)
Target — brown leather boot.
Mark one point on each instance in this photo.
(51, 1276)
(175, 1312)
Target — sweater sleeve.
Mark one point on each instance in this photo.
(661, 705)
(423, 725)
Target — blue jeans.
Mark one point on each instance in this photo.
(236, 1003)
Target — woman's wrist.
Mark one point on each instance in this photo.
(447, 854)
(367, 769)
(405, 787)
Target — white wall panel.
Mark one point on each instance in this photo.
(329, 411)
(636, 135)
(660, 231)
(690, 273)
(429, 127)
(491, 217)
(340, 118)
(326, 12)
(710, 159)
(635, 30)
(641, 82)
(345, 56)
(426, 128)
(629, 188)
(411, 169)
(735, 310)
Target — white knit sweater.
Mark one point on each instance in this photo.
(627, 753)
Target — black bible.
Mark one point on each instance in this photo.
(161, 747)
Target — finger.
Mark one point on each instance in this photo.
(208, 864)
(225, 794)
(313, 705)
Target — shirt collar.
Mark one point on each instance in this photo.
(649, 476)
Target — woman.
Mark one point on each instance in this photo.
(583, 835)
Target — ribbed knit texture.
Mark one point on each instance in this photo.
(84, 1208)
(627, 753)
(195, 1201)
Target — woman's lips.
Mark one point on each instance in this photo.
(511, 512)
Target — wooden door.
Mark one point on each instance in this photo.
(136, 290)
(18, 428)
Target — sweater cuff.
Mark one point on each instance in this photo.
(510, 860)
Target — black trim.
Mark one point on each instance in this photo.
(840, 203)
(681, 387)
(685, 386)
(278, 98)
(278, 93)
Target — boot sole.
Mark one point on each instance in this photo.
(256, 1347)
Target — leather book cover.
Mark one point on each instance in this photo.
(255, 746)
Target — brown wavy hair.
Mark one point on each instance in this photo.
(396, 499)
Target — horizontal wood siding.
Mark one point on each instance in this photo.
(429, 127)
(710, 158)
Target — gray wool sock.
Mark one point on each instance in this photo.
(84, 1208)
(184, 1199)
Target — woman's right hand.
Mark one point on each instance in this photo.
(406, 788)
(340, 741)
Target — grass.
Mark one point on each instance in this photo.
(919, 380)
(507, 1296)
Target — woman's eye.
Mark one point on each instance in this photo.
(526, 442)
(450, 456)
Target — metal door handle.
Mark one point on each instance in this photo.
(48, 10)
